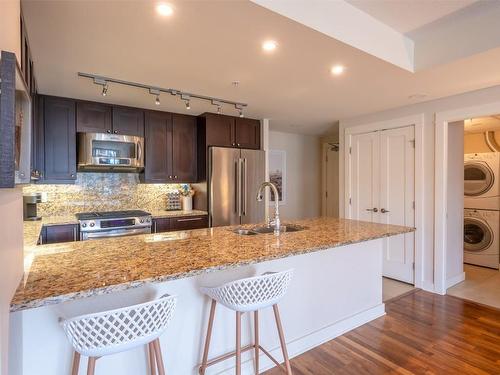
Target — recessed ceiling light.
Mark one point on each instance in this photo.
(269, 45)
(337, 70)
(164, 9)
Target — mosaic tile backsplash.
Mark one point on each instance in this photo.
(102, 192)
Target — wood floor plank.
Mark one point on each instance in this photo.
(422, 333)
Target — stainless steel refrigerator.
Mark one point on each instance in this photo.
(234, 176)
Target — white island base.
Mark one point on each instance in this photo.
(332, 292)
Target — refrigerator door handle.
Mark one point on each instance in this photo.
(245, 186)
(238, 186)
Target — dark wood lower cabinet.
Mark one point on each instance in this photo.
(59, 233)
(161, 225)
(189, 222)
(179, 223)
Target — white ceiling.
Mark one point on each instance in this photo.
(206, 45)
(408, 15)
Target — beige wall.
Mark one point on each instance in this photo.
(11, 232)
(303, 174)
(10, 35)
(474, 142)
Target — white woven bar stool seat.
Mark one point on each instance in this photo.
(108, 332)
(252, 293)
(245, 295)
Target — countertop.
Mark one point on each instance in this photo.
(68, 271)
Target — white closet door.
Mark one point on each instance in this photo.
(364, 177)
(397, 194)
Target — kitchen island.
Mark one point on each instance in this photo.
(337, 286)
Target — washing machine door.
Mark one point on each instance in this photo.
(478, 235)
(478, 178)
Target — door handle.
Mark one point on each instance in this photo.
(245, 191)
(372, 209)
(383, 210)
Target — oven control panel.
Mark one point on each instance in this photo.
(117, 223)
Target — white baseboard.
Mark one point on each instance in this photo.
(312, 340)
(455, 280)
(428, 286)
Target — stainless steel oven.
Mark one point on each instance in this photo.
(95, 225)
(110, 152)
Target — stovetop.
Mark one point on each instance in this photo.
(110, 214)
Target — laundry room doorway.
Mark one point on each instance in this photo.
(481, 216)
(470, 235)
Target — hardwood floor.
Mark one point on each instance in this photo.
(422, 333)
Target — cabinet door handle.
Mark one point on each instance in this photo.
(175, 177)
(116, 132)
(238, 144)
(170, 177)
(74, 233)
(154, 230)
(372, 209)
(190, 219)
(383, 210)
(108, 131)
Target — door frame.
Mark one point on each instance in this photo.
(442, 121)
(418, 122)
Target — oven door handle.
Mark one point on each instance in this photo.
(116, 233)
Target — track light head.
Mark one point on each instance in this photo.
(105, 89)
(239, 107)
(157, 100)
(187, 99)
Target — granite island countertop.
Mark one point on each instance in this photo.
(73, 270)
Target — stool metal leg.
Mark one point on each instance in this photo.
(238, 343)
(203, 366)
(282, 340)
(256, 343)
(159, 358)
(151, 356)
(76, 363)
(91, 366)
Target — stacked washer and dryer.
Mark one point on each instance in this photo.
(482, 209)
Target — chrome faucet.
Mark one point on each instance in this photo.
(276, 221)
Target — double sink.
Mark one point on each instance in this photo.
(263, 229)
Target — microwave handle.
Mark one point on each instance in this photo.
(139, 151)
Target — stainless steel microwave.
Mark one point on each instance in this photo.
(102, 152)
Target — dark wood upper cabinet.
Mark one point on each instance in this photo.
(128, 121)
(171, 146)
(220, 130)
(247, 133)
(184, 148)
(230, 131)
(59, 140)
(93, 117)
(158, 145)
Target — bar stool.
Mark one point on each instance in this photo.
(246, 295)
(104, 333)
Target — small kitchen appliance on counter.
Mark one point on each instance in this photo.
(113, 223)
(173, 201)
(29, 205)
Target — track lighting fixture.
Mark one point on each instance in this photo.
(240, 109)
(217, 103)
(104, 83)
(187, 99)
(156, 91)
